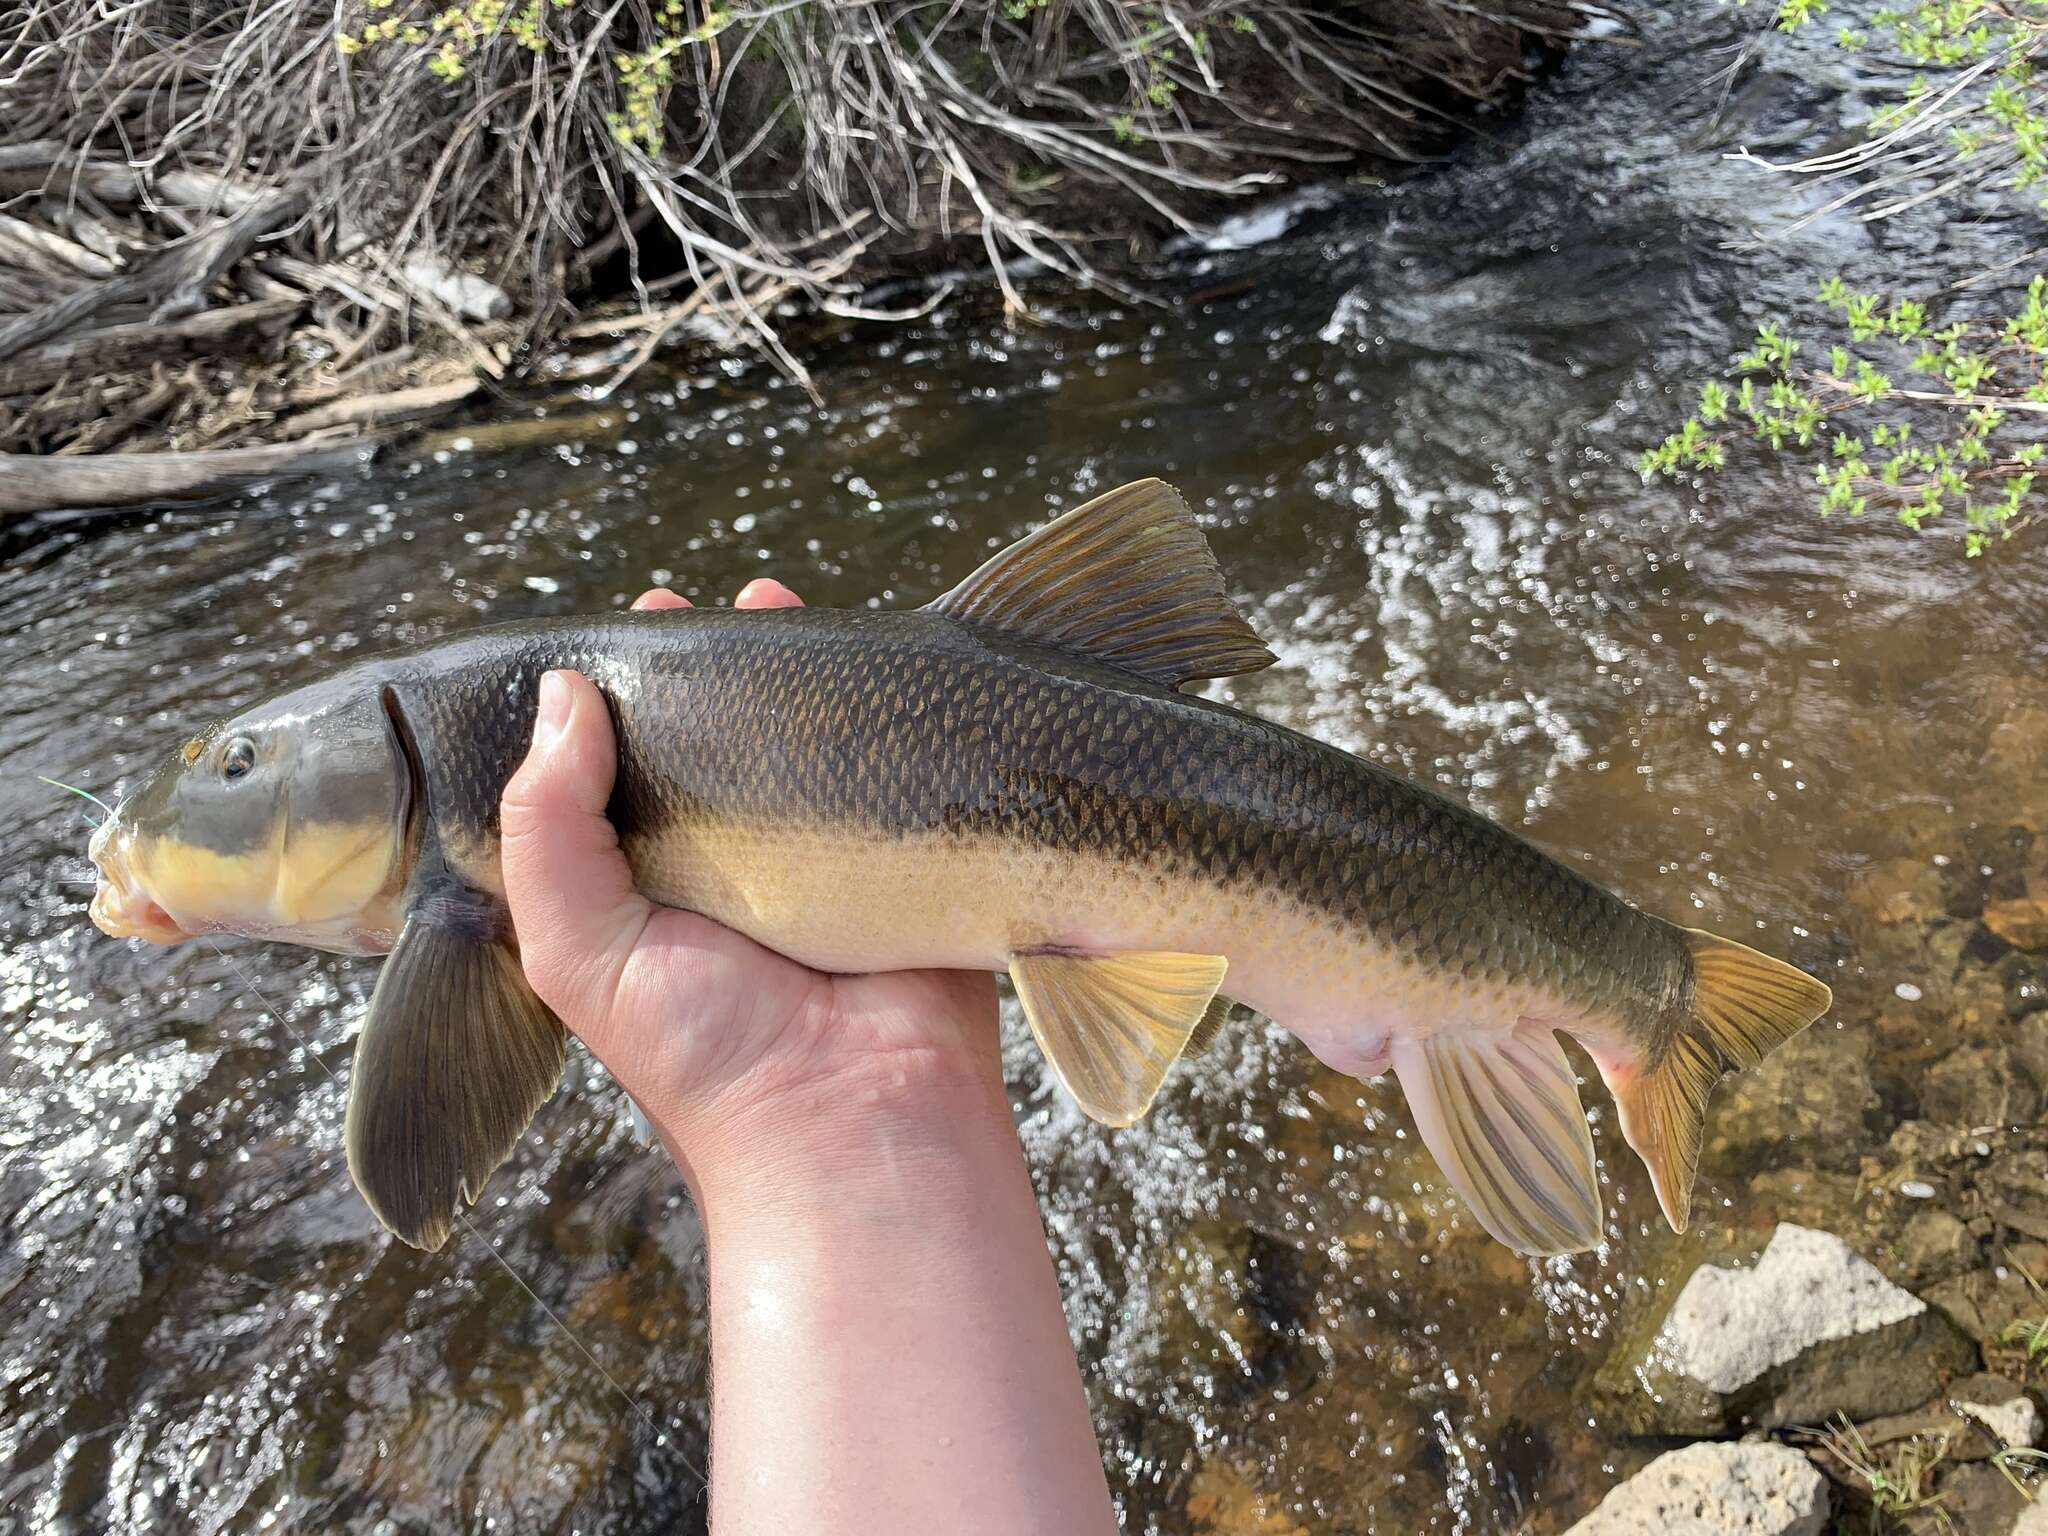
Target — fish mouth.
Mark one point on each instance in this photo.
(120, 908)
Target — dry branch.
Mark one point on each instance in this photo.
(30, 483)
(175, 283)
(396, 405)
(121, 347)
(180, 182)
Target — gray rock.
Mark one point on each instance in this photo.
(2033, 1520)
(1809, 1331)
(2014, 1424)
(1716, 1489)
(1976, 1499)
(1730, 1326)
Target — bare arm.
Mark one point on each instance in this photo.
(888, 1349)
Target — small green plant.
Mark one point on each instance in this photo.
(2029, 1336)
(449, 41)
(449, 37)
(1898, 1479)
(2018, 1464)
(1929, 422)
(1932, 416)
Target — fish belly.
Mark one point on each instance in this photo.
(845, 901)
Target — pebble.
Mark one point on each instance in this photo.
(2016, 1422)
(1716, 1489)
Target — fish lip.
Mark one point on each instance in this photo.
(119, 909)
(116, 913)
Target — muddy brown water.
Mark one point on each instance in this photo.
(1409, 422)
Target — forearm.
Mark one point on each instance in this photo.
(888, 1348)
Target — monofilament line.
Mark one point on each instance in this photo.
(73, 789)
(660, 1435)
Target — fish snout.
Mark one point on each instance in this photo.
(102, 840)
(120, 907)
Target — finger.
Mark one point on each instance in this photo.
(573, 902)
(766, 592)
(658, 597)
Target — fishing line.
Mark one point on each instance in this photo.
(660, 1435)
(83, 794)
(73, 789)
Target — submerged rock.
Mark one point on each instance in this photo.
(2021, 922)
(1989, 1300)
(1979, 1085)
(1934, 1245)
(1225, 1501)
(1810, 1330)
(1716, 1489)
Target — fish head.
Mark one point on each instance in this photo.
(288, 821)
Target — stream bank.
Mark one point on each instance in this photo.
(266, 231)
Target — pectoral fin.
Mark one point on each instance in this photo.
(454, 1058)
(1500, 1114)
(1112, 1024)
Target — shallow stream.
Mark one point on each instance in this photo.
(1410, 422)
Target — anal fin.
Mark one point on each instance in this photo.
(1112, 1024)
(1209, 1026)
(456, 1055)
(1500, 1113)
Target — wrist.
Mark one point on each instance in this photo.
(876, 1130)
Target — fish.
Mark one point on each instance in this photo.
(1020, 777)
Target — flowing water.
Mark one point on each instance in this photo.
(1409, 422)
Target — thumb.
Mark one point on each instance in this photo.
(574, 905)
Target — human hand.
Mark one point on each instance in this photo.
(724, 1044)
(888, 1347)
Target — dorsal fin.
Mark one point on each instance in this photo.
(1127, 579)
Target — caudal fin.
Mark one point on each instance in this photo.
(1744, 1005)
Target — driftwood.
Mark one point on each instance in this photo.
(20, 238)
(119, 347)
(33, 483)
(396, 405)
(176, 282)
(106, 430)
(82, 374)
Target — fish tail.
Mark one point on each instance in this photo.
(1737, 1008)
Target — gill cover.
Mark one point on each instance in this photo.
(456, 1053)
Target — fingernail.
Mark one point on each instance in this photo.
(554, 709)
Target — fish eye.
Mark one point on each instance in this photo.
(238, 758)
